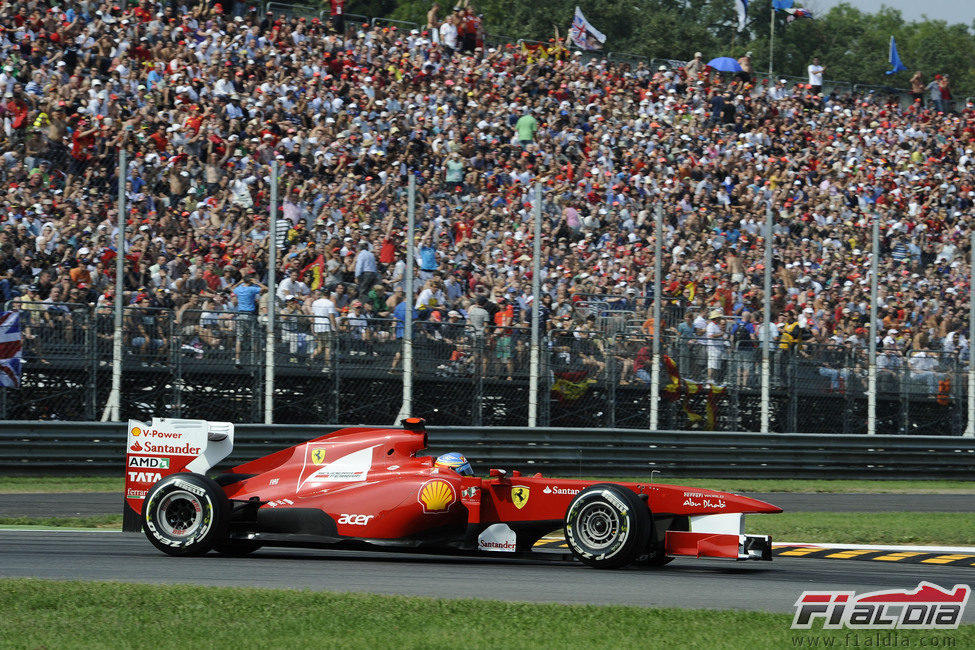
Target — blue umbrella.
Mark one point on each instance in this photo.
(724, 64)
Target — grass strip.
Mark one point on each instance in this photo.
(93, 521)
(909, 528)
(26, 484)
(39, 613)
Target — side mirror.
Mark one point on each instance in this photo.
(497, 473)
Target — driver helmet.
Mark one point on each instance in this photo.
(455, 461)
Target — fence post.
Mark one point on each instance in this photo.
(609, 374)
(767, 318)
(872, 333)
(272, 246)
(658, 218)
(406, 410)
(91, 345)
(536, 310)
(176, 363)
(970, 428)
(111, 411)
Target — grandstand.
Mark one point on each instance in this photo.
(203, 103)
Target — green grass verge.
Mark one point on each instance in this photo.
(95, 521)
(911, 528)
(21, 484)
(38, 613)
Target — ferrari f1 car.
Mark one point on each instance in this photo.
(371, 488)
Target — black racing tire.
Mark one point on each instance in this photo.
(236, 547)
(607, 526)
(186, 514)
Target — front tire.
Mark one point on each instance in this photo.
(185, 514)
(607, 526)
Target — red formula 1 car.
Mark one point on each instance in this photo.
(370, 488)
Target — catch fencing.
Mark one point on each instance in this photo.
(210, 363)
(85, 448)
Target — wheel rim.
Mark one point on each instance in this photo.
(180, 514)
(598, 525)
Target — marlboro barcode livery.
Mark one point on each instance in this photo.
(374, 488)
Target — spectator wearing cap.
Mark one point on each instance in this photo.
(714, 333)
(746, 68)
(695, 67)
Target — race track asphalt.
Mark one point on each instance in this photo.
(110, 503)
(684, 583)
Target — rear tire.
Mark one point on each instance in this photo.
(607, 526)
(186, 514)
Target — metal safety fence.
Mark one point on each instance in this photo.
(206, 362)
(88, 448)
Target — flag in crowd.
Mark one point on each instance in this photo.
(570, 385)
(10, 349)
(797, 12)
(742, 7)
(686, 392)
(893, 58)
(317, 269)
(584, 35)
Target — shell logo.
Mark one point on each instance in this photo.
(436, 496)
(136, 432)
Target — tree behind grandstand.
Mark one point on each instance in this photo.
(851, 43)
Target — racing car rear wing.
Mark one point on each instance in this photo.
(166, 446)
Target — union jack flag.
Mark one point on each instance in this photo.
(10, 349)
(584, 35)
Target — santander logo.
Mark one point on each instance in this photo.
(136, 446)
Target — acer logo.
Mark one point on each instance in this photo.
(144, 477)
(355, 520)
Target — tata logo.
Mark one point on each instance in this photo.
(519, 495)
(149, 462)
(318, 456)
(436, 496)
(355, 520)
(144, 477)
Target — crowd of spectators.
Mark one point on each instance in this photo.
(202, 98)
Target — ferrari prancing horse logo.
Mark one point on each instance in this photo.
(519, 495)
(318, 456)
